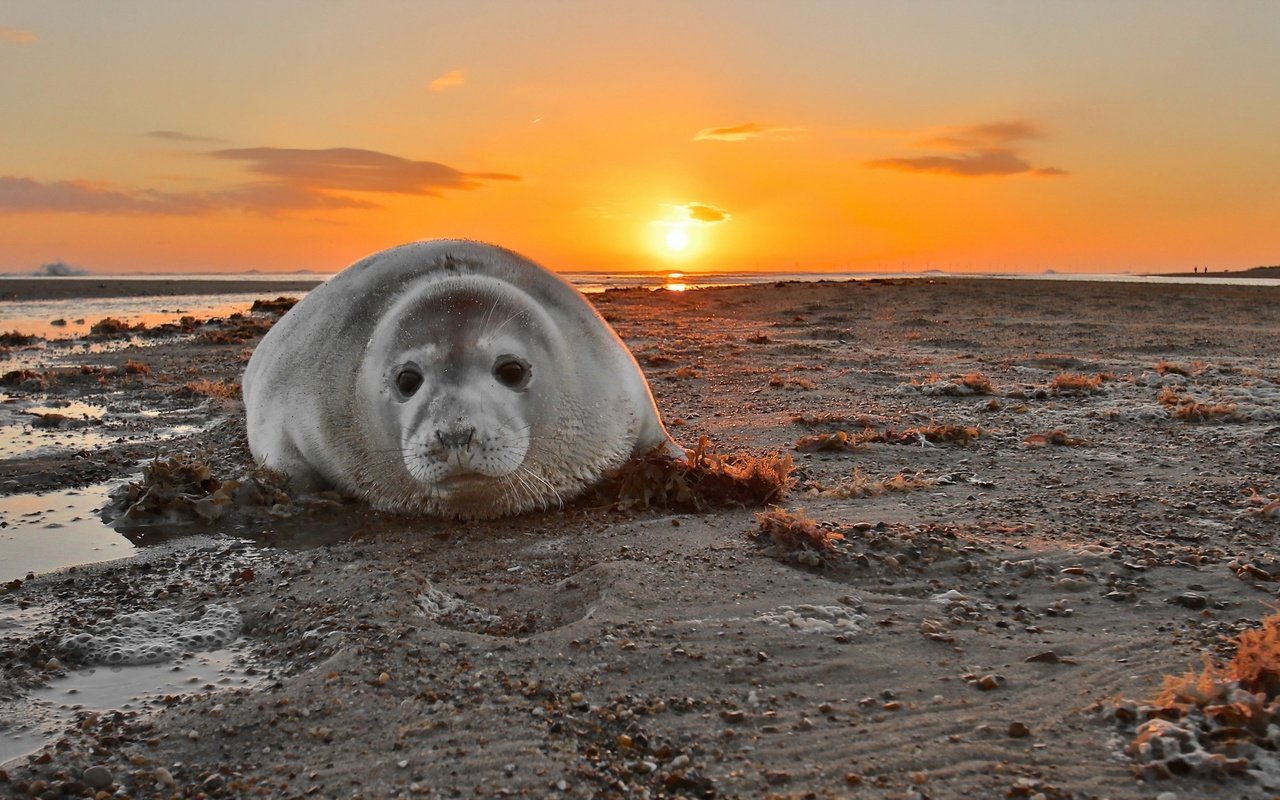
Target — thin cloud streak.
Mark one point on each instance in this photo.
(745, 131)
(989, 149)
(29, 196)
(18, 36)
(698, 213)
(179, 136)
(296, 180)
(355, 170)
(449, 80)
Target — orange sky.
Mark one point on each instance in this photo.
(998, 136)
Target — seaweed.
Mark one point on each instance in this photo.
(278, 306)
(704, 479)
(859, 485)
(1074, 383)
(1211, 721)
(181, 488)
(794, 531)
(1055, 437)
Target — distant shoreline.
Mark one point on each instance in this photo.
(67, 288)
(1254, 272)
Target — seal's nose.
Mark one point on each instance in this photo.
(456, 439)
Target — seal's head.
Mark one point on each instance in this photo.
(472, 383)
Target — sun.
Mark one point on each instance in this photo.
(677, 239)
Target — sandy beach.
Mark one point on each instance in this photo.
(1047, 497)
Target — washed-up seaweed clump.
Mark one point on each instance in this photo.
(184, 489)
(794, 531)
(277, 306)
(962, 435)
(704, 479)
(1222, 720)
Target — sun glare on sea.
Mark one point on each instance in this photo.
(677, 239)
(675, 282)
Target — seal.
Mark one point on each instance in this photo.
(450, 378)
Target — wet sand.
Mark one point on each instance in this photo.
(993, 595)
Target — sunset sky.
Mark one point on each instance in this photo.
(992, 136)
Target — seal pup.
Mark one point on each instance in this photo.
(451, 378)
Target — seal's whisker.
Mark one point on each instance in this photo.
(509, 319)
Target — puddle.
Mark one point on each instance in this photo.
(86, 426)
(37, 317)
(45, 532)
(33, 722)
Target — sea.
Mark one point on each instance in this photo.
(70, 319)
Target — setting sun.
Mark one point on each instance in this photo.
(677, 239)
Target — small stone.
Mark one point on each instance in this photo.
(382, 679)
(402, 763)
(193, 735)
(162, 776)
(53, 665)
(1018, 730)
(989, 682)
(1167, 796)
(97, 776)
(1192, 600)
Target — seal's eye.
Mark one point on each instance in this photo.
(408, 380)
(512, 372)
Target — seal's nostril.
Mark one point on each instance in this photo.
(457, 439)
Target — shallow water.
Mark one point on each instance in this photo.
(37, 317)
(87, 426)
(34, 721)
(42, 533)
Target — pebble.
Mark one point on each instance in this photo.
(988, 682)
(1018, 730)
(1192, 600)
(97, 776)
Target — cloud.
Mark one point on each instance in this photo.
(26, 195)
(699, 213)
(179, 136)
(448, 80)
(705, 214)
(747, 130)
(989, 149)
(18, 36)
(354, 170)
(295, 180)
